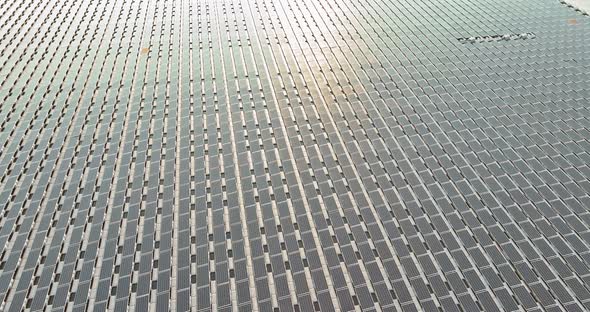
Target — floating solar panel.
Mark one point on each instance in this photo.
(273, 155)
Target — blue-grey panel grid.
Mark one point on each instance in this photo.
(301, 155)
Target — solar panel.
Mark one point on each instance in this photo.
(294, 155)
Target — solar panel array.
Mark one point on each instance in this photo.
(294, 155)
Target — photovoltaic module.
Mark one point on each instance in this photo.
(294, 155)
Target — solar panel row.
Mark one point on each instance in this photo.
(270, 155)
